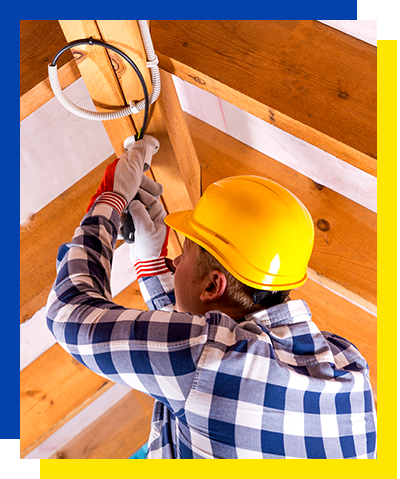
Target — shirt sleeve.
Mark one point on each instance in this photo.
(158, 291)
(153, 351)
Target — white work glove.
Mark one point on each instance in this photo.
(148, 252)
(124, 175)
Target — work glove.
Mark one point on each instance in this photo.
(122, 177)
(149, 250)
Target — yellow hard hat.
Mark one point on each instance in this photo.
(259, 231)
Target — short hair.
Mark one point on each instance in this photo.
(240, 295)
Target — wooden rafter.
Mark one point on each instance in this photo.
(304, 77)
(54, 388)
(42, 234)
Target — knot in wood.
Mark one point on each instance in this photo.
(117, 64)
(318, 186)
(198, 80)
(77, 54)
(323, 225)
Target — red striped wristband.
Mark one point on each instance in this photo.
(113, 199)
(153, 267)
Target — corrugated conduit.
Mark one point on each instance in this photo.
(133, 108)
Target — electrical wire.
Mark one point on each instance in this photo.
(91, 115)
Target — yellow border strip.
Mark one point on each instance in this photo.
(387, 253)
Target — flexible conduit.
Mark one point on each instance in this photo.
(133, 108)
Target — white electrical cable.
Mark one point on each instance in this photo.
(152, 63)
(133, 108)
(76, 110)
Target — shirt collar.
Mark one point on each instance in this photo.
(290, 312)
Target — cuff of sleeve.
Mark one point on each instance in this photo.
(152, 267)
(113, 199)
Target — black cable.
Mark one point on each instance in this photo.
(92, 41)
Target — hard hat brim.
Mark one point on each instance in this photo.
(182, 222)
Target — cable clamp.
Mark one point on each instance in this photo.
(133, 106)
(152, 63)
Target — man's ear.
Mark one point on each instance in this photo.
(214, 286)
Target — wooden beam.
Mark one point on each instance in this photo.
(97, 70)
(42, 92)
(53, 389)
(42, 235)
(40, 40)
(117, 434)
(180, 137)
(345, 241)
(304, 77)
(131, 297)
(126, 34)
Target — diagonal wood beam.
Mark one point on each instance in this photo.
(119, 432)
(43, 233)
(42, 92)
(54, 388)
(304, 77)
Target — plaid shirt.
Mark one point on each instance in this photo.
(269, 386)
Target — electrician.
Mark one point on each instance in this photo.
(237, 369)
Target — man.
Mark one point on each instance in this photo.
(237, 369)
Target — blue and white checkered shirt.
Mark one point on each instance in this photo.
(269, 386)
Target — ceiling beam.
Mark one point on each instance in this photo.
(53, 389)
(43, 233)
(304, 77)
(117, 434)
(42, 92)
(179, 135)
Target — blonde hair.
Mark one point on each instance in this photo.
(239, 295)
